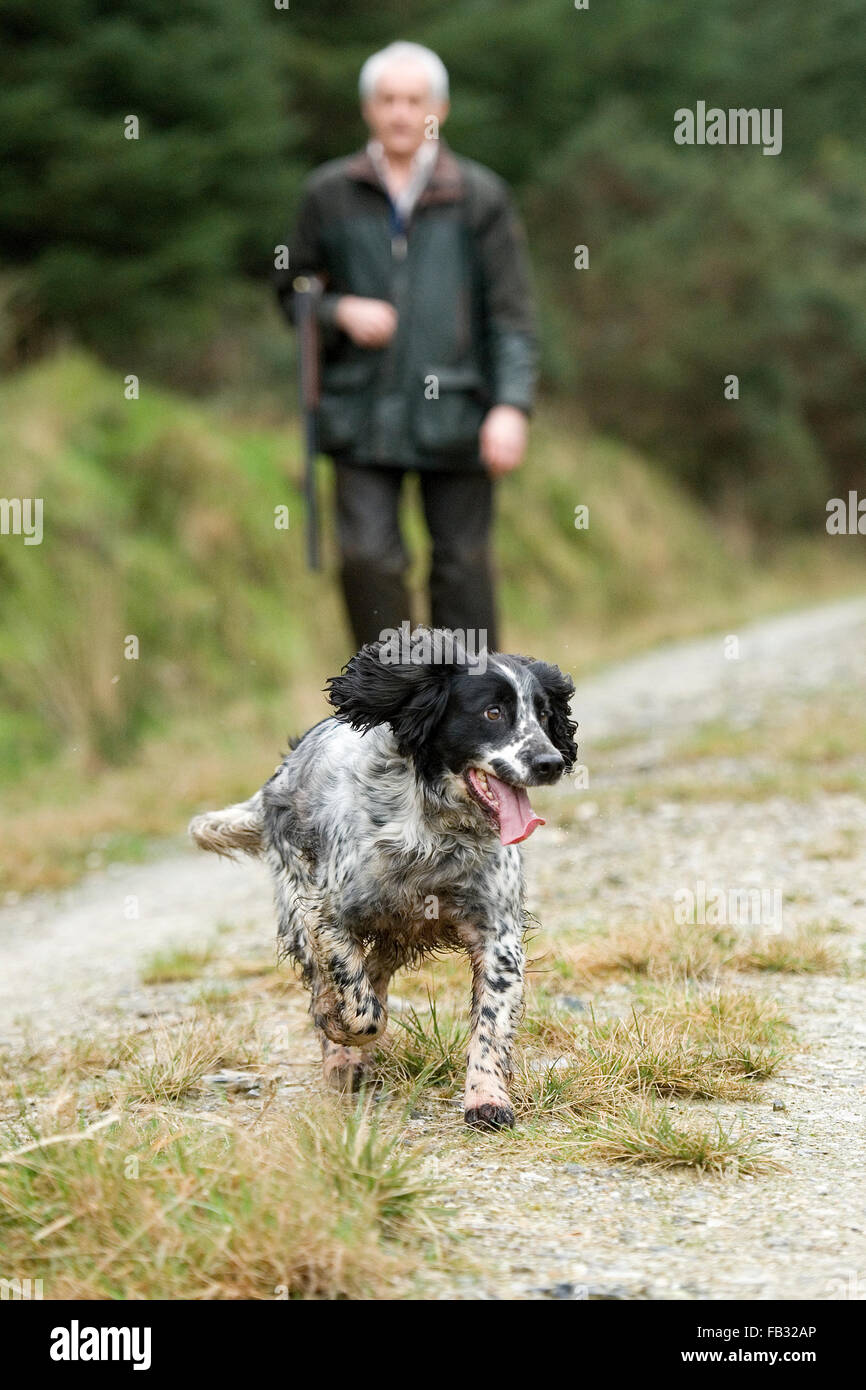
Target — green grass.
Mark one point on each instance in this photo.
(424, 1050)
(169, 967)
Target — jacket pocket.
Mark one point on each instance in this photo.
(452, 402)
(344, 404)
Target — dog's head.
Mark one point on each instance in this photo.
(482, 733)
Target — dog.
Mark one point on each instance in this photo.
(391, 829)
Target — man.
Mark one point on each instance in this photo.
(428, 346)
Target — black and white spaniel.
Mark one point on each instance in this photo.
(392, 831)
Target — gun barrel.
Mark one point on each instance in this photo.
(307, 291)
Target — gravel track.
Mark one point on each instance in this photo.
(545, 1230)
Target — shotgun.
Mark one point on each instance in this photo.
(307, 291)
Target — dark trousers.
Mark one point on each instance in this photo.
(458, 509)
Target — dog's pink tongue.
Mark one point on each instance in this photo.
(517, 820)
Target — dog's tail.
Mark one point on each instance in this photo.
(238, 827)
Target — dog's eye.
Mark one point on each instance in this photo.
(493, 712)
(544, 717)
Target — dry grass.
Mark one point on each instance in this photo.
(116, 1181)
(804, 951)
(694, 1045)
(446, 978)
(656, 1136)
(725, 1015)
(662, 950)
(659, 949)
(257, 967)
(55, 828)
(320, 1204)
(175, 1061)
(161, 1065)
(649, 1053)
(34, 1072)
(831, 728)
(120, 1177)
(552, 1086)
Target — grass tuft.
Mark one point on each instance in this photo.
(656, 1136)
(319, 1204)
(693, 1043)
(174, 1062)
(698, 1058)
(172, 967)
(428, 1051)
(804, 952)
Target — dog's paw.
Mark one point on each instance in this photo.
(345, 1069)
(489, 1116)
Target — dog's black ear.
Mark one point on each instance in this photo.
(409, 696)
(559, 688)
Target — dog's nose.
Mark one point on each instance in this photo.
(547, 766)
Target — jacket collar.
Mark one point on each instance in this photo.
(445, 184)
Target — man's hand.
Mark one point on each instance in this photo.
(369, 322)
(503, 437)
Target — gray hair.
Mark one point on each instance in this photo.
(399, 53)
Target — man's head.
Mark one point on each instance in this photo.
(401, 87)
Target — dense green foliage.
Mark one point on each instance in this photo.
(698, 270)
(130, 241)
(703, 261)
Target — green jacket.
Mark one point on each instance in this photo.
(459, 280)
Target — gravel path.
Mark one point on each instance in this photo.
(544, 1229)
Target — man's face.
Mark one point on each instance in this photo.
(399, 107)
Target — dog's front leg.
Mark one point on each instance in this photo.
(496, 953)
(348, 1068)
(345, 1005)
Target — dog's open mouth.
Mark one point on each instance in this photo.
(508, 807)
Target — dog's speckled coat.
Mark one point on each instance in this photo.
(381, 852)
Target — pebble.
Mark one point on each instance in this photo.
(233, 1080)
